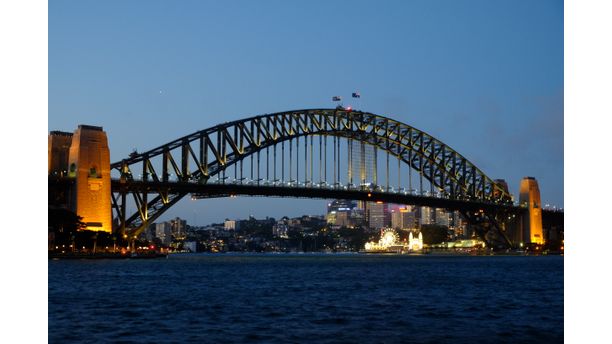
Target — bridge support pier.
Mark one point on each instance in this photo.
(532, 220)
(89, 165)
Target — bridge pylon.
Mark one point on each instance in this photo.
(83, 160)
(89, 163)
(531, 220)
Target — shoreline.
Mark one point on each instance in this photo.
(106, 256)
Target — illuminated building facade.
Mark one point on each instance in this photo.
(231, 225)
(532, 221)
(415, 244)
(403, 218)
(179, 228)
(426, 216)
(163, 231)
(85, 157)
(339, 212)
(343, 219)
(378, 215)
(89, 164)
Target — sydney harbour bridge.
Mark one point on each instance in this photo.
(315, 153)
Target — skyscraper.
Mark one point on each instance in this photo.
(163, 231)
(340, 209)
(179, 228)
(426, 216)
(378, 215)
(403, 218)
(442, 217)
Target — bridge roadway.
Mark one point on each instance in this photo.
(214, 189)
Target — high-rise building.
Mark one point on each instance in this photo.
(341, 205)
(163, 231)
(426, 216)
(343, 219)
(339, 212)
(403, 218)
(362, 164)
(442, 217)
(378, 215)
(532, 221)
(149, 233)
(89, 164)
(179, 228)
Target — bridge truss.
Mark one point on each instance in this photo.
(306, 152)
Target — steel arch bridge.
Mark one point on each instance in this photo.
(203, 163)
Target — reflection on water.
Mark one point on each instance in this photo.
(307, 298)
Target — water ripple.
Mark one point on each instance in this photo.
(205, 298)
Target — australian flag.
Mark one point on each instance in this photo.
(356, 95)
(336, 99)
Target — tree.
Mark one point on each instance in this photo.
(61, 220)
(434, 234)
(63, 226)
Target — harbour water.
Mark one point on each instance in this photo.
(307, 298)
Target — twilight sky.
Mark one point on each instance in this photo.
(484, 77)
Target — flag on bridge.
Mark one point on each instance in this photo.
(336, 98)
(356, 95)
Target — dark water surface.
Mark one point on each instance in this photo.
(202, 298)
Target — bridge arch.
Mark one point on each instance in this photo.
(220, 147)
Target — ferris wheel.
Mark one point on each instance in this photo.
(388, 237)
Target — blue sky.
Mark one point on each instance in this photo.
(485, 77)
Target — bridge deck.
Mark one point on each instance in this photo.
(341, 192)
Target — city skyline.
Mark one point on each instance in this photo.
(494, 95)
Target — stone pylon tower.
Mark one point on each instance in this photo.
(89, 164)
(532, 221)
(59, 151)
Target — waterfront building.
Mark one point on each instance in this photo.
(163, 231)
(415, 243)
